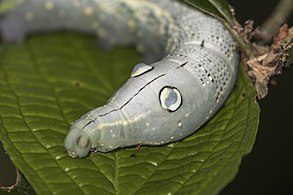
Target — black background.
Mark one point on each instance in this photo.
(268, 168)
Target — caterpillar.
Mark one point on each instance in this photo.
(189, 70)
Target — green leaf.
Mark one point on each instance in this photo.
(217, 8)
(48, 82)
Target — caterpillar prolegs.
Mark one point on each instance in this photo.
(161, 102)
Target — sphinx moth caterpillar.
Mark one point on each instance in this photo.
(190, 68)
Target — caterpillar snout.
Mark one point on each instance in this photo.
(77, 143)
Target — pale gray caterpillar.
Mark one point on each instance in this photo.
(161, 102)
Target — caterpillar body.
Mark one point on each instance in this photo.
(161, 102)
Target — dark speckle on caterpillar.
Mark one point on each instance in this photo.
(161, 102)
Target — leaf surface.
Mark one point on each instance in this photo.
(217, 8)
(49, 81)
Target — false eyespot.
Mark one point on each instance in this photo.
(140, 69)
(170, 98)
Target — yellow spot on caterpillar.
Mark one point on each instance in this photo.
(88, 11)
(29, 16)
(49, 5)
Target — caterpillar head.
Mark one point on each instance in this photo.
(77, 143)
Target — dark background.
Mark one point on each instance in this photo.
(268, 168)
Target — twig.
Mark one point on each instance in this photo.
(278, 17)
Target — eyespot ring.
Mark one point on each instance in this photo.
(170, 98)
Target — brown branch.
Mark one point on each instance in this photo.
(278, 17)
